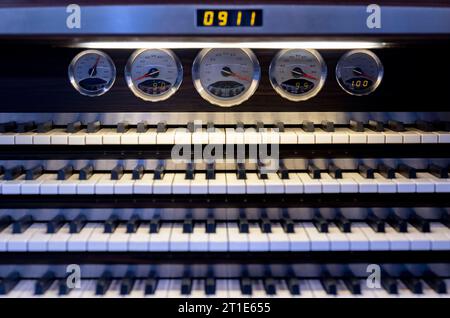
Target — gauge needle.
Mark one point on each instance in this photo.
(228, 72)
(301, 73)
(146, 75)
(93, 69)
(358, 71)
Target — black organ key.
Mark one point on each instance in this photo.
(445, 219)
(25, 127)
(117, 172)
(2, 170)
(329, 285)
(210, 286)
(190, 126)
(210, 171)
(321, 224)
(353, 285)
(9, 282)
(186, 286)
(63, 289)
(413, 284)
(137, 172)
(111, 224)
(261, 172)
(386, 171)
(210, 225)
(122, 127)
(13, 173)
(73, 127)
(259, 126)
(399, 224)
(246, 286)
(288, 225)
(283, 172)
(45, 127)
(265, 225)
(150, 285)
(375, 125)
(142, 127)
(389, 284)
(313, 171)
(55, 224)
(190, 171)
(34, 173)
(155, 225)
(76, 225)
(188, 226)
(21, 225)
(356, 125)
(396, 125)
(93, 127)
(424, 125)
(5, 221)
(421, 224)
(210, 126)
(280, 127)
(127, 284)
(44, 283)
(438, 171)
(378, 225)
(437, 284)
(407, 171)
(243, 225)
(334, 171)
(158, 174)
(308, 126)
(343, 224)
(365, 171)
(161, 127)
(86, 172)
(65, 172)
(8, 127)
(133, 224)
(443, 125)
(293, 285)
(240, 126)
(240, 171)
(328, 126)
(103, 284)
(270, 286)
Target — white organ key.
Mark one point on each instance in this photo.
(317, 289)
(426, 137)
(293, 184)
(358, 240)
(58, 241)
(441, 185)
(329, 185)
(384, 185)
(96, 138)
(89, 290)
(238, 242)
(8, 138)
(179, 241)
(270, 136)
(148, 137)
(33, 186)
(410, 137)
(299, 240)
(323, 137)
(118, 241)
(304, 137)
(348, 184)
(59, 137)
(23, 287)
(218, 185)
(24, 138)
(310, 185)
(234, 289)
(140, 240)
(217, 136)
(200, 136)
(111, 136)
(39, 241)
(235, 185)
(19, 242)
(221, 289)
(162, 289)
(166, 138)
(174, 290)
(282, 289)
(418, 241)
(198, 289)
(424, 183)
(183, 136)
(13, 186)
(131, 137)
(364, 185)
(339, 241)
(258, 241)
(50, 185)
(163, 185)
(374, 137)
(42, 138)
(69, 186)
(251, 136)
(319, 241)
(378, 241)
(218, 241)
(199, 239)
(199, 185)
(340, 136)
(253, 184)
(356, 137)
(125, 185)
(278, 239)
(273, 183)
(105, 185)
(113, 290)
(398, 241)
(234, 137)
(98, 242)
(138, 290)
(392, 137)
(443, 137)
(88, 186)
(78, 241)
(144, 185)
(440, 236)
(180, 185)
(258, 290)
(288, 137)
(159, 242)
(404, 185)
(78, 138)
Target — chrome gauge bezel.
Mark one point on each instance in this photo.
(76, 85)
(225, 102)
(153, 98)
(378, 80)
(293, 97)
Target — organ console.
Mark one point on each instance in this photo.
(206, 149)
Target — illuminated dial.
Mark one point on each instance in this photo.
(92, 73)
(226, 77)
(153, 74)
(359, 72)
(297, 74)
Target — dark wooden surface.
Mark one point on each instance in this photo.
(34, 79)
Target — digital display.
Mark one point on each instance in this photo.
(229, 18)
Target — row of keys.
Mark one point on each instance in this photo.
(95, 134)
(107, 286)
(135, 236)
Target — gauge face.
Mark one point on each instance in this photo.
(153, 74)
(359, 72)
(226, 77)
(92, 73)
(297, 74)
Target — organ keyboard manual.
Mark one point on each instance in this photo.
(239, 152)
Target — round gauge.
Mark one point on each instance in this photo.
(297, 74)
(92, 73)
(359, 72)
(226, 77)
(153, 74)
